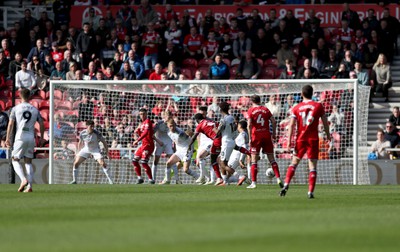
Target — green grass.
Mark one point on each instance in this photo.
(199, 218)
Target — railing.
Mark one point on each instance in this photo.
(7, 13)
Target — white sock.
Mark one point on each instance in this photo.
(154, 171)
(105, 170)
(202, 167)
(224, 177)
(248, 170)
(168, 174)
(192, 173)
(175, 169)
(29, 174)
(74, 174)
(212, 175)
(18, 170)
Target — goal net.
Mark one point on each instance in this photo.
(114, 106)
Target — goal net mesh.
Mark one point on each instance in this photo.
(114, 106)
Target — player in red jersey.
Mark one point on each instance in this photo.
(143, 153)
(306, 115)
(209, 128)
(261, 139)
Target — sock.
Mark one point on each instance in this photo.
(202, 167)
(312, 179)
(212, 175)
(105, 170)
(154, 171)
(275, 167)
(290, 173)
(168, 174)
(176, 174)
(254, 172)
(147, 169)
(29, 174)
(224, 177)
(244, 150)
(18, 170)
(137, 168)
(74, 174)
(215, 167)
(248, 170)
(192, 173)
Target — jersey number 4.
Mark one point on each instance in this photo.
(307, 118)
(260, 120)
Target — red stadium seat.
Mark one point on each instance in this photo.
(227, 62)
(80, 126)
(187, 72)
(204, 71)
(271, 62)
(5, 94)
(45, 115)
(204, 62)
(8, 105)
(67, 105)
(260, 62)
(72, 113)
(2, 105)
(189, 62)
(58, 95)
(34, 103)
(44, 105)
(267, 73)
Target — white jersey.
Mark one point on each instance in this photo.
(161, 132)
(180, 138)
(242, 140)
(25, 116)
(227, 125)
(91, 141)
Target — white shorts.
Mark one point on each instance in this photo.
(183, 155)
(23, 149)
(205, 145)
(226, 149)
(166, 148)
(86, 154)
(234, 159)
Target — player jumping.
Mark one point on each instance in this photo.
(306, 115)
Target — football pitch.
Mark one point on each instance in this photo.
(199, 218)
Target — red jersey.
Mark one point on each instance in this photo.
(193, 43)
(211, 47)
(145, 132)
(307, 115)
(259, 117)
(207, 127)
(153, 39)
(346, 36)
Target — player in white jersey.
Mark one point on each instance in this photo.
(227, 128)
(203, 152)
(238, 159)
(25, 116)
(182, 153)
(163, 142)
(90, 139)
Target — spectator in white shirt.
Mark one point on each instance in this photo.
(25, 78)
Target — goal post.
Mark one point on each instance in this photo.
(343, 161)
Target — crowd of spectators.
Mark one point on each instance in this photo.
(137, 44)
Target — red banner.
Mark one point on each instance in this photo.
(330, 14)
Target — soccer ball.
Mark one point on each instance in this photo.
(270, 173)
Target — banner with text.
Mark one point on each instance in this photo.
(330, 14)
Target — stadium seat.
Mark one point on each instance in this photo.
(300, 62)
(9, 84)
(227, 62)
(2, 105)
(8, 105)
(80, 126)
(233, 72)
(148, 72)
(271, 62)
(187, 72)
(58, 95)
(204, 62)
(204, 71)
(189, 62)
(45, 115)
(261, 62)
(5, 94)
(34, 103)
(72, 113)
(40, 94)
(67, 105)
(44, 105)
(267, 73)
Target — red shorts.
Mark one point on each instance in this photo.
(216, 146)
(264, 143)
(311, 147)
(144, 152)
